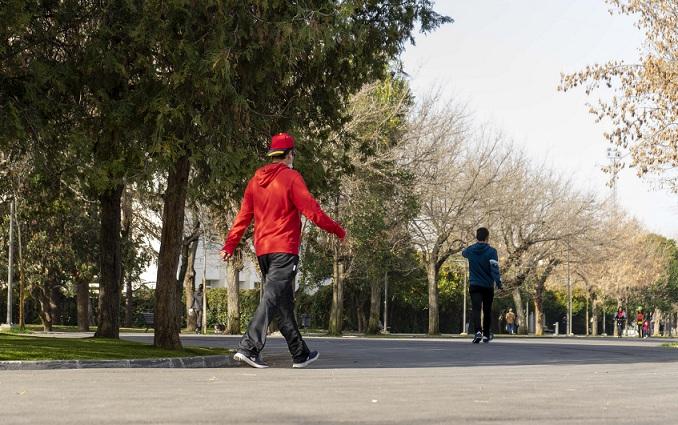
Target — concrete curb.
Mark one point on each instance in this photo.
(169, 363)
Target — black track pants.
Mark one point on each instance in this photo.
(481, 297)
(278, 271)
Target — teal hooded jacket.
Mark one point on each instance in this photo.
(483, 265)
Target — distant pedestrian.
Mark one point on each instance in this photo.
(589, 326)
(197, 309)
(620, 319)
(646, 328)
(483, 276)
(511, 321)
(640, 318)
(275, 198)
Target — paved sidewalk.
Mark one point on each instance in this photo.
(371, 381)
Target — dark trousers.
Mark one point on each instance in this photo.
(198, 319)
(278, 271)
(481, 297)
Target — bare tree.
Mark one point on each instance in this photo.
(643, 110)
(454, 182)
(541, 219)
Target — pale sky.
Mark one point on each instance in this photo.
(504, 58)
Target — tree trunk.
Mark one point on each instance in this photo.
(22, 286)
(375, 307)
(166, 291)
(594, 315)
(56, 301)
(433, 316)
(82, 295)
(47, 296)
(233, 282)
(539, 286)
(520, 312)
(188, 259)
(337, 311)
(657, 320)
(90, 315)
(126, 230)
(41, 294)
(360, 318)
(110, 264)
(587, 315)
(539, 310)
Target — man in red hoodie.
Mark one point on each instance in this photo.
(276, 197)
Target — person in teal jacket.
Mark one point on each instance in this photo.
(483, 276)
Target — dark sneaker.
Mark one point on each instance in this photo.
(312, 356)
(254, 361)
(478, 337)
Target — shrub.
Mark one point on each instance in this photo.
(249, 301)
(217, 306)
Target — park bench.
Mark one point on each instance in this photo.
(148, 320)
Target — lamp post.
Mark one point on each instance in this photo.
(614, 155)
(385, 302)
(10, 261)
(203, 325)
(569, 294)
(463, 320)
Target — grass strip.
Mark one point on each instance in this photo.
(21, 347)
(68, 328)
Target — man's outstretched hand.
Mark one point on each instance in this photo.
(225, 255)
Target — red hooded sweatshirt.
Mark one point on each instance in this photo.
(276, 197)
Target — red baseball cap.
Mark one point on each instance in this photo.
(280, 143)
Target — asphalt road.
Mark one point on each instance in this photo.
(371, 381)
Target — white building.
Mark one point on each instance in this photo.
(215, 269)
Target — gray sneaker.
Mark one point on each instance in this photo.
(254, 361)
(312, 356)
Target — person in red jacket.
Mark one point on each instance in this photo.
(275, 198)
